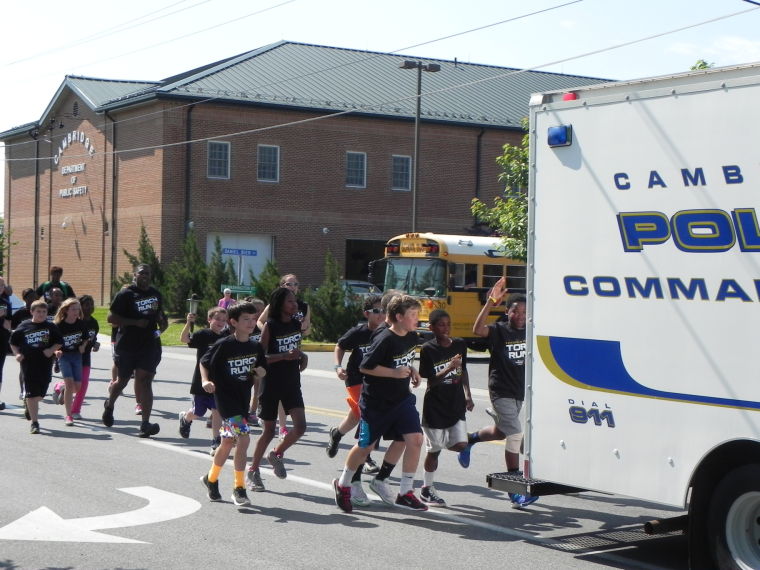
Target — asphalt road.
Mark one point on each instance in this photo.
(91, 497)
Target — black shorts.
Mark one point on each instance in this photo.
(127, 361)
(270, 402)
(37, 377)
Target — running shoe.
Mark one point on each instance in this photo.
(148, 429)
(2, 406)
(138, 410)
(358, 497)
(370, 467)
(239, 497)
(283, 433)
(212, 489)
(342, 497)
(410, 501)
(57, 396)
(383, 490)
(35, 428)
(216, 442)
(332, 445)
(253, 419)
(107, 415)
(519, 501)
(464, 456)
(254, 481)
(69, 421)
(493, 414)
(184, 425)
(430, 496)
(76, 416)
(277, 465)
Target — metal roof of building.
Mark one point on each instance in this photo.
(331, 79)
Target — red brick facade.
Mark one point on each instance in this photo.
(137, 173)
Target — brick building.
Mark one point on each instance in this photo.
(283, 152)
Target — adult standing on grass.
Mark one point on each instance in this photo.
(43, 291)
(138, 312)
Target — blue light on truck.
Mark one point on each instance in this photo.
(560, 136)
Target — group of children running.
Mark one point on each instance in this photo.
(379, 377)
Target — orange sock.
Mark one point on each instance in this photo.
(213, 473)
(239, 480)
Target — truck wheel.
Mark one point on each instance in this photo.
(733, 521)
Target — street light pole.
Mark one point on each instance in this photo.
(420, 67)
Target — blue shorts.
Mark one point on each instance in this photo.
(203, 403)
(234, 427)
(391, 424)
(71, 365)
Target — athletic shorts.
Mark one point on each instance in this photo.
(234, 427)
(354, 393)
(508, 412)
(71, 365)
(127, 361)
(270, 402)
(444, 438)
(392, 424)
(203, 403)
(37, 378)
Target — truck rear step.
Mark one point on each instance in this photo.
(514, 482)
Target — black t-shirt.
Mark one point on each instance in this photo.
(392, 351)
(444, 402)
(134, 303)
(93, 328)
(200, 341)
(5, 315)
(506, 367)
(230, 364)
(283, 375)
(32, 338)
(357, 340)
(74, 334)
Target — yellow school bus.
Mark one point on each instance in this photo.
(449, 272)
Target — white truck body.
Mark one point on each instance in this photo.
(644, 281)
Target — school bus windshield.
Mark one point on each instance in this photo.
(416, 276)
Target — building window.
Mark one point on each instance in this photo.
(268, 169)
(401, 172)
(356, 169)
(218, 159)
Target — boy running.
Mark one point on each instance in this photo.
(202, 401)
(387, 405)
(227, 370)
(33, 344)
(506, 381)
(443, 361)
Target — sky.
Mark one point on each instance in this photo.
(46, 40)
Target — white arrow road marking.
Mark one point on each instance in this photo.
(44, 524)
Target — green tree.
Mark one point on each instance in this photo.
(185, 276)
(218, 273)
(266, 281)
(6, 242)
(701, 64)
(509, 213)
(145, 254)
(331, 313)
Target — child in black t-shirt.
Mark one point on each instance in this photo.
(443, 361)
(33, 344)
(281, 338)
(203, 402)
(227, 370)
(387, 405)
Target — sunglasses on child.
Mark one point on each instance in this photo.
(292, 284)
(376, 311)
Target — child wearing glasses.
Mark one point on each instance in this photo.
(357, 340)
